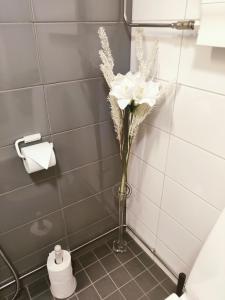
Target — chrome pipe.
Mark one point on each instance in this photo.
(179, 25)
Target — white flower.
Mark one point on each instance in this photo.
(133, 87)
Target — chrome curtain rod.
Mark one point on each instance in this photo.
(179, 25)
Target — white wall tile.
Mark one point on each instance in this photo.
(144, 210)
(146, 179)
(193, 9)
(198, 170)
(199, 118)
(202, 67)
(162, 114)
(158, 10)
(194, 185)
(144, 233)
(175, 263)
(177, 239)
(187, 209)
(151, 145)
(169, 51)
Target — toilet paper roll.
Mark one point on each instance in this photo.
(212, 25)
(172, 297)
(38, 157)
(63, 283)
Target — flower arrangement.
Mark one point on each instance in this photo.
(132, 97)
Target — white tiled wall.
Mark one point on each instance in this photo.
(178, 163)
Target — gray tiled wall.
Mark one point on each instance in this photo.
(50, 83)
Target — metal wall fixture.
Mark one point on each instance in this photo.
(179, 25)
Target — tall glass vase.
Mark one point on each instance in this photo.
(120, 244)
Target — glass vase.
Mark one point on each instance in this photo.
(120, 245)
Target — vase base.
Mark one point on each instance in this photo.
(119, 247)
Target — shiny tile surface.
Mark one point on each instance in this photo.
(20, 67)
(37, 235)
(76, 104)
(86, 181)
(23, 112)
(69, 51)
(91, 210)
(15, 11)
(76, 10)
(22, 206)
(85, 145)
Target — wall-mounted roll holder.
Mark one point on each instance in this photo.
(36, 157)
(26, 139)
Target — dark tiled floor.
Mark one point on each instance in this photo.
(102, 274)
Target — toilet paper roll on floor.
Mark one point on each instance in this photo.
(63, 283)
(38, 157)
(173, 297)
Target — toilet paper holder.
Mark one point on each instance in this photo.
(26, 139)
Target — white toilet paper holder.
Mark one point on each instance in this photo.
(26, 139)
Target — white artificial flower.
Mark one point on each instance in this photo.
(133, 87)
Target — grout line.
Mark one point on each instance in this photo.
(81, 127)
(62, 173)
(187, 189)
(65, 21)
(46, 84)
(175, 180)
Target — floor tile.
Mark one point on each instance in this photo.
(123, 257)
(105, 286)
(82, 280)
(135, 248)
(169, 285)
(120, 276)
(110, 262)
(158, 273)
(102, 251)
(115, 296)
(134, 267)
(38, 287)
(146, 281)
(131, 291)
(95, 271)
(87, 259)
(145, 259)
(157, 294)
(47, 295)
(88, 294)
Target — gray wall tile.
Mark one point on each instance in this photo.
(85, 145)
(32, 237)
(13, 174)
(24, 205)
(77, 104)
(22, 112)
(94, 230)
(89, 180)
(15, 11)
(76, 10)
(90, 210)
(69, 51)
(18, 58)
